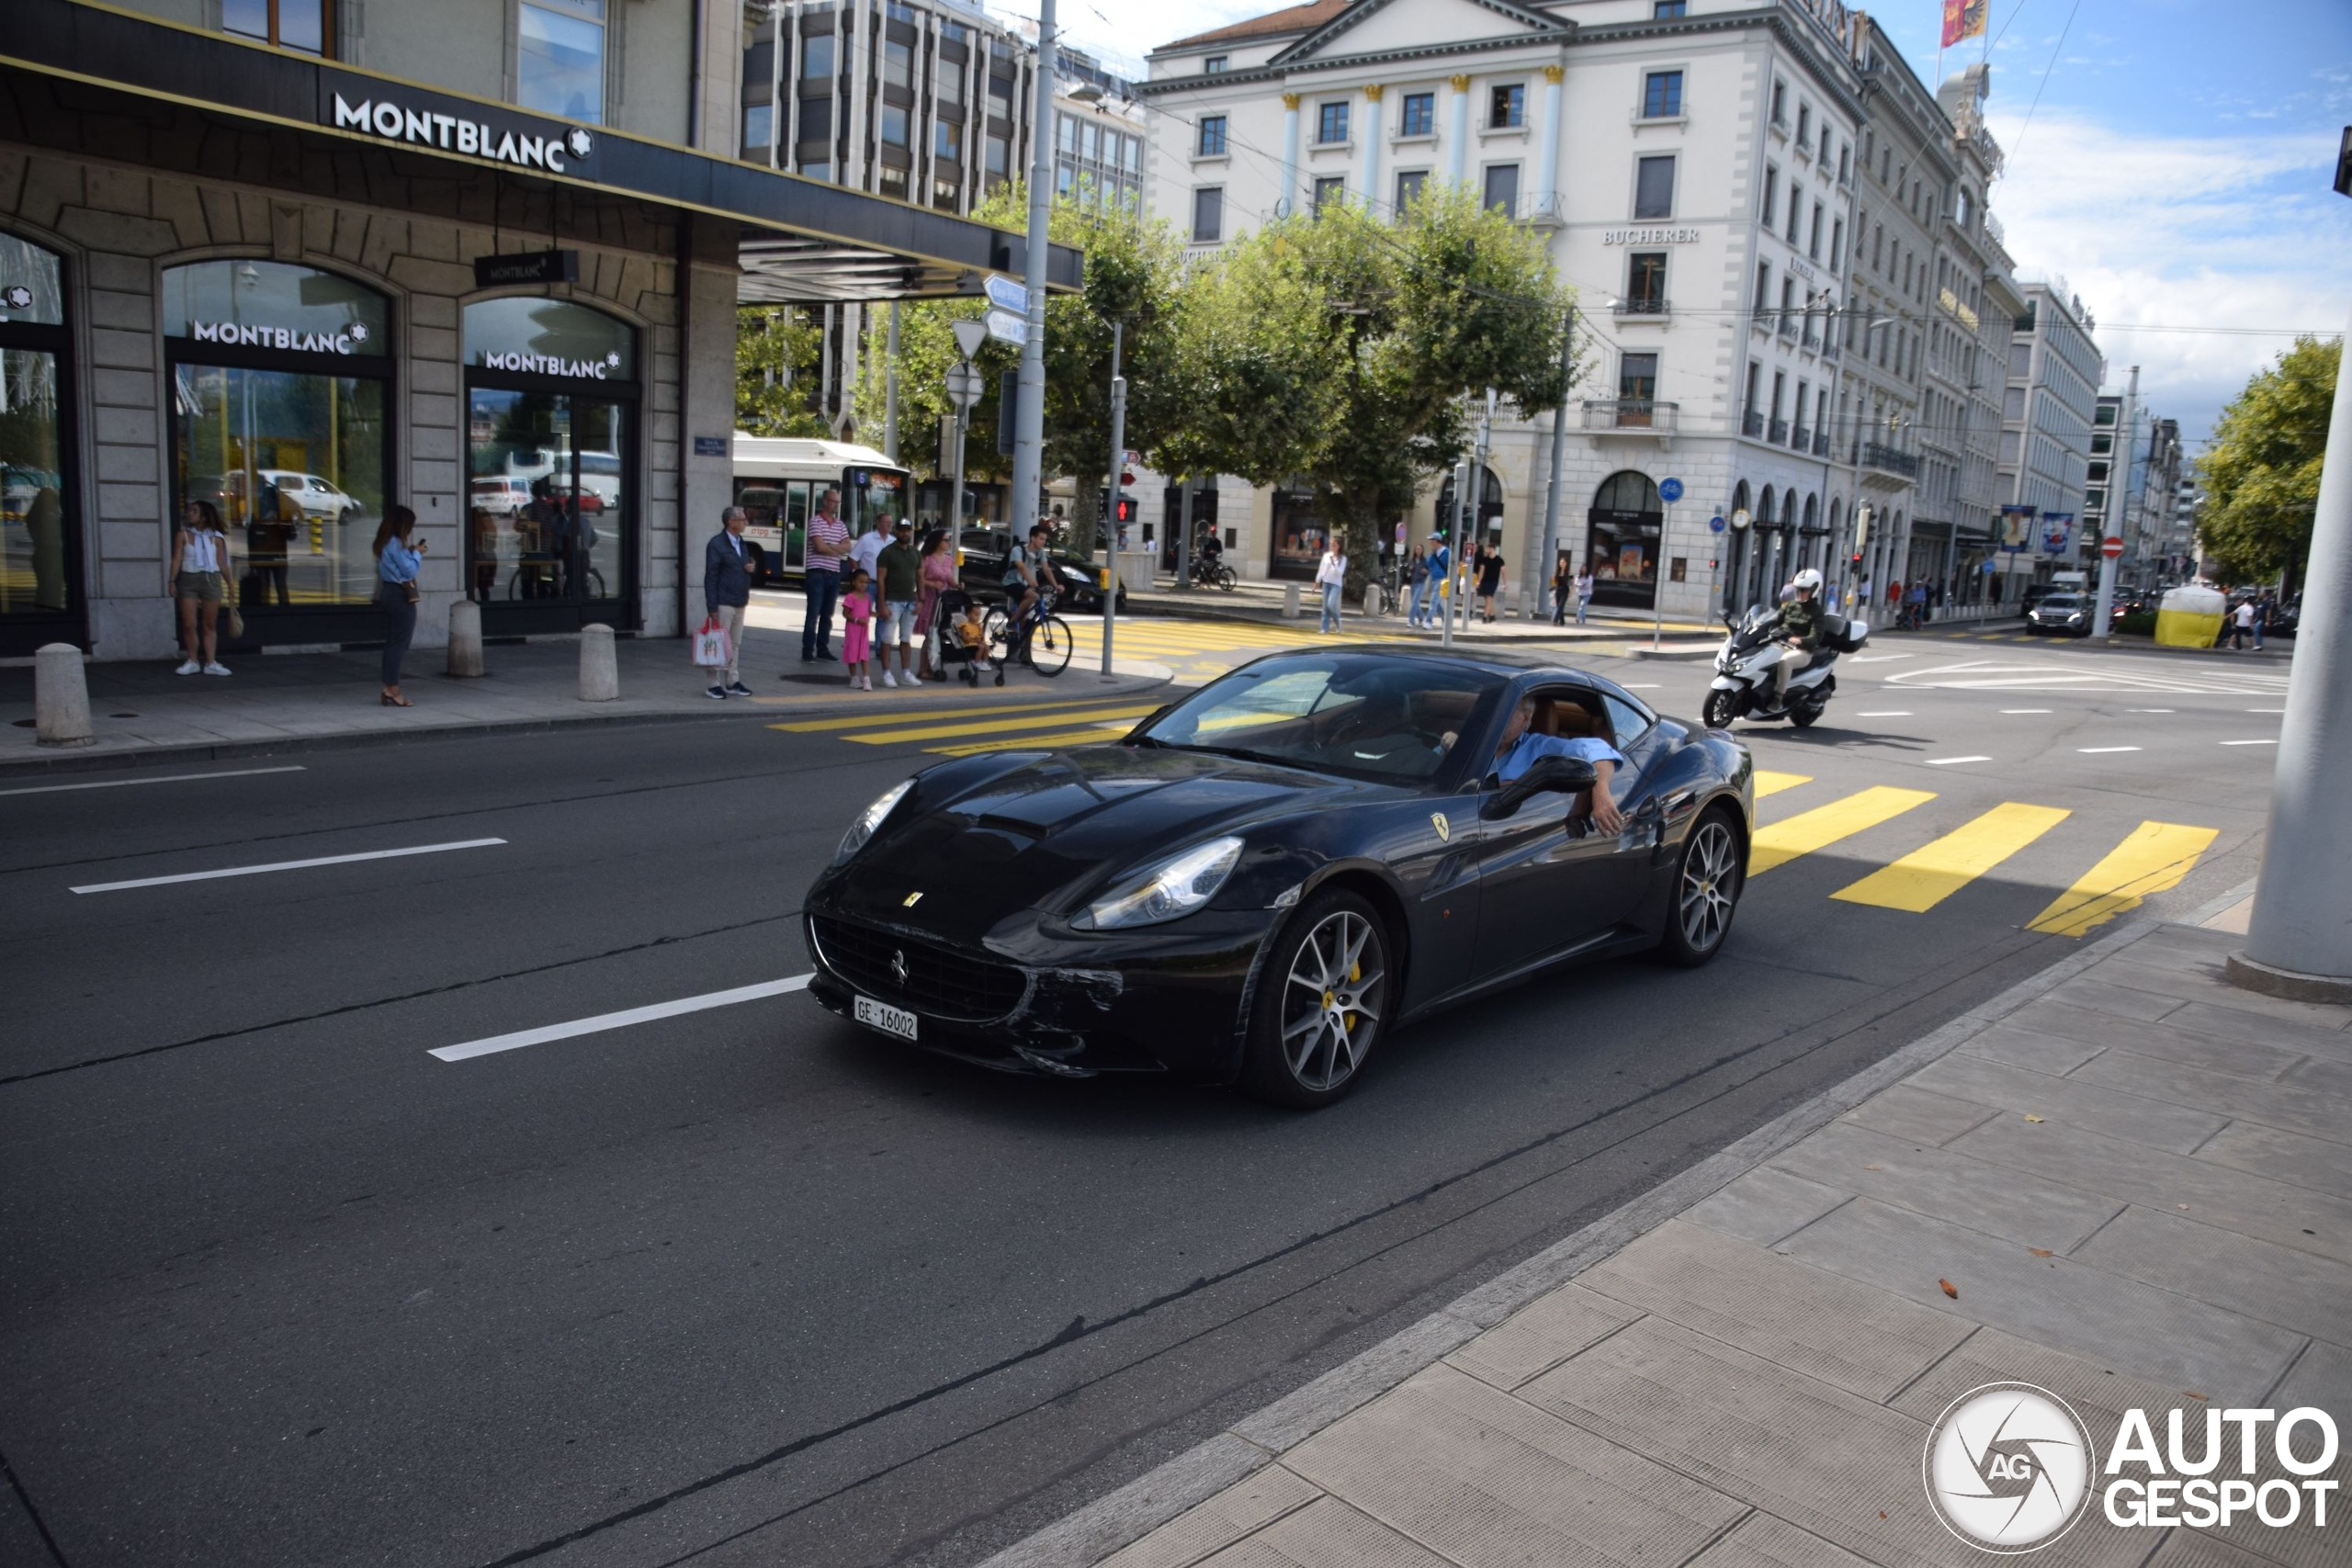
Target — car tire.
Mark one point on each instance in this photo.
(1307, 1045)
(1708, 880)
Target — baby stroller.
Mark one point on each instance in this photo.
(953, 605)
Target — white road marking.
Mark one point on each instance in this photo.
(1948, 762)
(170, 778)
(622, 1020)
(2024, 710)
(2249, 710)
(2097, 750)
(1639, 685)
(1880, 657)
(2249, 743)
(286, 866)
(2148, 710)
(1886, 713)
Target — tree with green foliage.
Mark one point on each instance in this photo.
(775, 371)
(1348, 349)
(2260, 475)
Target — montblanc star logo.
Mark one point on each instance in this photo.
(358, 332)
(17, 297)
(613, 357)
(580, 141)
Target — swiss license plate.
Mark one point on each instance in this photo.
(886, 1018)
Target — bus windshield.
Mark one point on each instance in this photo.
(871, 494)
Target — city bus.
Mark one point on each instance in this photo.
(779, 479)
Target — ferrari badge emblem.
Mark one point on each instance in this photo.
(1444, 829)
(898, 968)
(911, 900)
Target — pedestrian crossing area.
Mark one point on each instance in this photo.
(1202, 650)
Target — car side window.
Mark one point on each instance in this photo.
(1629, 722)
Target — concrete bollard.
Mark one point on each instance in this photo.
(600, 674)
(60, 697)
(1289, 601)
(465, 640)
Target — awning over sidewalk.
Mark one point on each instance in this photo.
(216, 106)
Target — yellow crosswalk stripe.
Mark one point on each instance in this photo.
(893, 715)
(1769, 783)
(1093, 737)
(2154, 857)
(1824, 824)
(1933, 873)
(997, 726)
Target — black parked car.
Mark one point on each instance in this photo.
(1260, 879)
(1079, 580)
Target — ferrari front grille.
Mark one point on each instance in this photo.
(925, 976)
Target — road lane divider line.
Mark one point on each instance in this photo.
(170, 778)
(2249, 710)
(1769, 783)
(622, 1020)
(1885, 713)
(2148, 710)
(2103, 750)
(883, 715)
(2154, 856)
(999, 726)
(1094, 737)
(1824, 824)
(1948, 762)
(2015, 711)
(2249, 743)
(285, 865)
(1934, 872)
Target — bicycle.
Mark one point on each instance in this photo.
(1389, 591)
(1040, 640)
(1214, 574)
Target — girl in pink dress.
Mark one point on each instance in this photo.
(857, 609)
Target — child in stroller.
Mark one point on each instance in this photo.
(956, 627)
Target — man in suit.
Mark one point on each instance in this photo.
(726, 593)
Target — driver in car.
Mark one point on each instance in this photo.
(1520, 749)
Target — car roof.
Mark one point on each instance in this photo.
(1508, 663)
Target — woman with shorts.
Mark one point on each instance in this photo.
(200, 573)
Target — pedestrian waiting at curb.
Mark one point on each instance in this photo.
(934, 576)
(1332, 576)
(898, 570)
(1441, 575)
(1563, 587)
(857, 622)
(200, 575)
(1417, 585)
(821, 581)
(1490, 581)
(396, 562)
(1584, 593)
(727, 595)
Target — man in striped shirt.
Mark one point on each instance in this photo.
(828, 543)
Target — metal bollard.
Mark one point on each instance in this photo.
(465, 640)
(600, 675)
(60, 697)
(1289, 601)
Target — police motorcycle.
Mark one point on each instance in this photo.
(1746, 684)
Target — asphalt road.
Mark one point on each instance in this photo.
(747, 1285)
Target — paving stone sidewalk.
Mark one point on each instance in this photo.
(288, 701)
(2136, 1177)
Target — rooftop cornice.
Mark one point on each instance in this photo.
(1543, 25)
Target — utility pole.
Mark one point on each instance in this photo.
(2103, 610)
(890, 389)
(1453, 555)
(1029, 411)
(1559, 459)
(1118, 463)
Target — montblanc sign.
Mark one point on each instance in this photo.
(550, 364)
(238, 334)
(415, 117)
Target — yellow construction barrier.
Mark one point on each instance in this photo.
(2189, 617)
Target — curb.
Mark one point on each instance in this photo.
(83, 761)
(1084, 1538)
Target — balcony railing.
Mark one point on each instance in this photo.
(1890, 459)
(1751, 424)
(1821, 444)
(1645, 415)
(1762, 320)
(1779, 433)
(1802, 439)
(1812, 333)
(1789, 325)
(1641, 305)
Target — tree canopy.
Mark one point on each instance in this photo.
(776, 372)
(2260, 474)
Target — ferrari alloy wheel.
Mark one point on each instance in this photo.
(1719, 713)
(1321, 1003)
(1706, 892)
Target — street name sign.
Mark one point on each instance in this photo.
(1006, 327)
(1007, 294)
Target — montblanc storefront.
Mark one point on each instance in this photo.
(300, 293)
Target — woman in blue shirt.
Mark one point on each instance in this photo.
(397, 560)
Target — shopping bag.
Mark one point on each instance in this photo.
(710, 644)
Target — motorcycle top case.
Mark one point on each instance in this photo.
(1841, 636)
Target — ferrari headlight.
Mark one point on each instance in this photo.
(1177, 885)
(869, 820)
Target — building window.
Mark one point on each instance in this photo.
(894, 126)
(1065, 132)
(951, 82)
(1638, 379)
(947, 140)
(560, 65)
(898, 63)
(944, 194)
(1661, 10)
(996, 153)
(1771, 193)
(305, 26)
(816, 56)
(1653, 187)
(1420, 115)
(1212, 136)
(40, 591)
(1781, 104)
(1813, 241)
(1408, 188)
(1844, 162)
(1502, 188)
(1662, 94)
(819, 170)
(1208, 215)
(1763, 288)
(1329, 188)
(1836, 244)
(1507, 108)
(759, 126)
(1964, 210)
(1646, 283)
(1330, 123)
(894, 183)
(1796, 209)
(1804, 126)
(1214, 65)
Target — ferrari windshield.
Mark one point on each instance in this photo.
(1364, 715)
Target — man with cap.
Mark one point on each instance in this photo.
(898, 573)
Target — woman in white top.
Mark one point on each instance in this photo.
(200, 576)
(1331, 573)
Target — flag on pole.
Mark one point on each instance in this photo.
(1962, 20)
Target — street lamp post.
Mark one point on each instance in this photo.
(1118, 462)
(1029, 407)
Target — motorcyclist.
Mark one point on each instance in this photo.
(1799, 630)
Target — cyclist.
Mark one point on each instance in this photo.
(1024, 571)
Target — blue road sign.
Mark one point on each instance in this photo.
(1669, 489)
(1007, 294)
(1716, 523)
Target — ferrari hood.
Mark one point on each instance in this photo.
(1055, 828)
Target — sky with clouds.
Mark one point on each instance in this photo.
(2170, 158)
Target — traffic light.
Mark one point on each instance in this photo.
(1127, 509)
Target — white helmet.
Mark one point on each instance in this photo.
(1806, 581)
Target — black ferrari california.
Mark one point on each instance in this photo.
(1259, 880)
